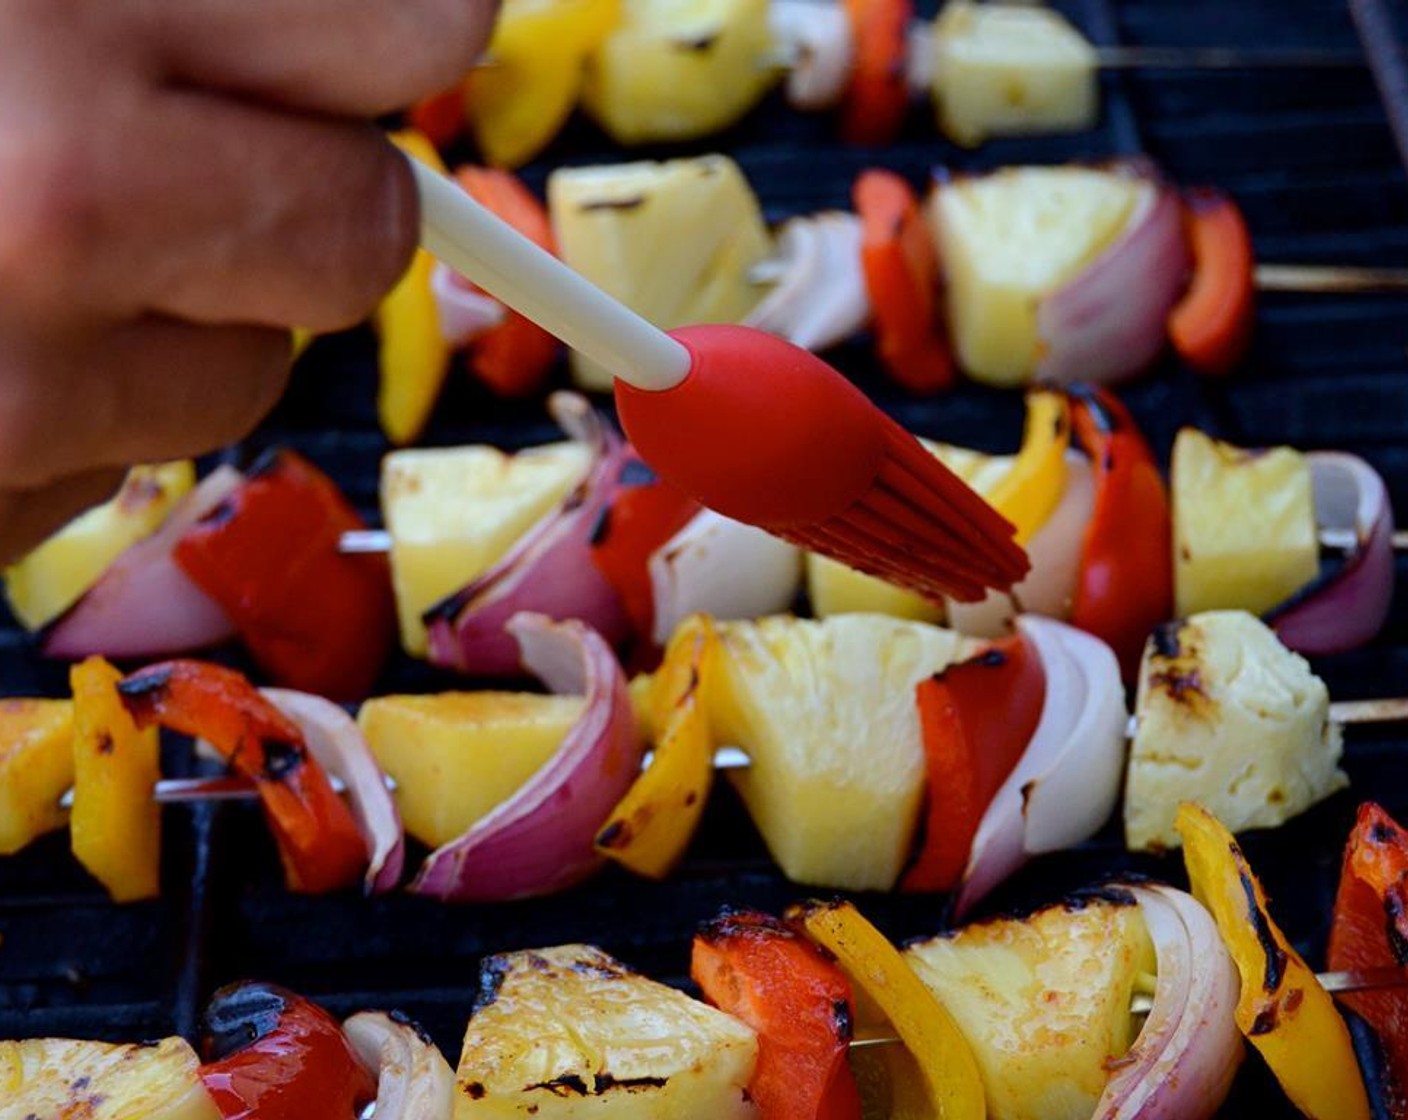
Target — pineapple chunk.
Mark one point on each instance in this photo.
(674, 241)
(834, 588)
(49, 580)
(680, 69)
(44, 1078)
(1230, 718)
(826, 712)
(1005, 70)
(1010, 238)
(36, 768)
(453, 512)
(457, 755)
(570, 1032)
(1244, 532)
(1043, 1001)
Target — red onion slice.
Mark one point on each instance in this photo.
(820, 297)
(1349, 608)
(145, 605)
(550, 569)
(464, 311)
(414, 1082)
(1067, 782)
(817, 37)
(723, 568)
(340, 748)
(1108, 321)
(540, 839)
(1182, 1064)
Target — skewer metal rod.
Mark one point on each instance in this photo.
(1329, 278)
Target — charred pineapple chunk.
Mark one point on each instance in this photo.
(1244, 533)
(1043, 1000)
(1229, 717)
(635, 230)
(456, 755)
(44, 1078)
(570, 1032)
(453, 512)
(36, 767)
(826, 712)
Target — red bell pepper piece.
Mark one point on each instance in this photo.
(1125, 586)
(1370, 930)
(643, 516)
(798, 1001)
(441, 116)
(272, 1055)
(901, 267)
(317, 836)
(877, 96)
(977, 716)
(514, 358)
(1211, 326)
(312, 618)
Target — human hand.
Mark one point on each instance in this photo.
(180, 182)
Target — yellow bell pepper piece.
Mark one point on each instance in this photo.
(413, 355)
(1283, 1011)
(116, 824)
(517, 103)
(651, 827)
(948, 1071)
(36, 769)
(1031, 490)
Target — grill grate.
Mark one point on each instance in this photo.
(1312, 160)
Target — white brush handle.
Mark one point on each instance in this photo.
(511, 268)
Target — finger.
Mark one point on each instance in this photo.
(223, 212)
(27, 517)
(347, 57)
(153, 389)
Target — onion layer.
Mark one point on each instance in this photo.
(549, 571)
(340, 748)
(464, 312)
(540, 839)
(1182, 1064)
(1349, 608)
(722, 568)
(1068, 780)
(818, 37)
(414, 1082)
(1108, 321)
(144, 605)
(820, 298)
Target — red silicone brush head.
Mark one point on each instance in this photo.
(765, 432)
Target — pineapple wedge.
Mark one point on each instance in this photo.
(1230, 718)
(834, 588)
(680, 69)
(1043, 1001)
(826, 712)
(1010, 238)
(1009, 70)
(59, 572)
(674, 241)
(457, 755)
(44, 1078)
(36, 768)
(1244, 532)
(570, 1032)
(453, 512)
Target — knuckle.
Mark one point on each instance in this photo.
(50, 220)
(22, 421)
(446, 37)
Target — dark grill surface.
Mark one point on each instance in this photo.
(1310, 157)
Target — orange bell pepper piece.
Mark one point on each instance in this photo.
(36, 769)
(514, 358)
(1370, 930)
(977, 716)
(115, 828)
(901, 267)
(1211, 326)
(318, 839)
(878, 94)
(440, 118)
(762, 971)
